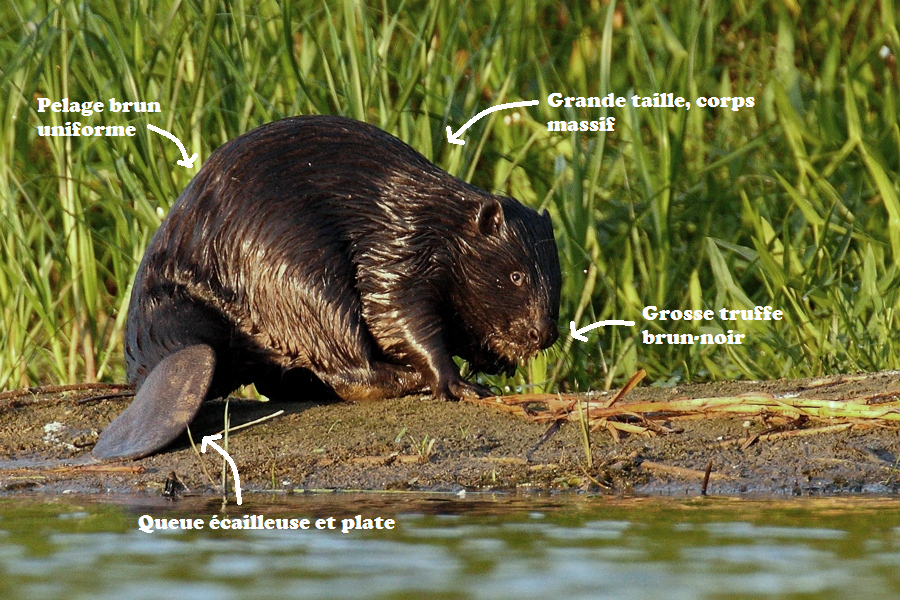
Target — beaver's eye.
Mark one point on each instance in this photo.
(517, 278)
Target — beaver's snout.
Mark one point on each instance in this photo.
(543, 334)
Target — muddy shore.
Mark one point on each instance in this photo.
(421, 444)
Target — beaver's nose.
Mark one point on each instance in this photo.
(544, 334)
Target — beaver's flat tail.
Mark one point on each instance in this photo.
(163, 407)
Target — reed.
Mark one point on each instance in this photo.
(794, 203)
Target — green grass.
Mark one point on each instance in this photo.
(794, 203)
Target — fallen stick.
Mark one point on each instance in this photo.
(632, 383)
(58, 389)
(685, 472)
(776, 435)
(92, 468)
(252, 423)
(562, 407)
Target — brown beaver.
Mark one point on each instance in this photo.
(324, 247)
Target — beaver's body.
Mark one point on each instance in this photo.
(324, 246)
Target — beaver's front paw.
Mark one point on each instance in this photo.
(459, 388)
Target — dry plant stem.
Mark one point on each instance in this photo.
(56, 399)
(776, 435)
(683, 472)
(98, 468)
(758, 404)
(562, 407)
(200, 458)
(644, 418)
(584, 430)
(57, 389)
(120, 396)
(892, 471)
(252, 423)
(594, 480)
(551, 431)
(635, 379)
(388, 459)
(706, 475)
(224, 460)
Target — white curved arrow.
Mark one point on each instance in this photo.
(576, 333)
(453, 138)
(186, 162)
(208, 439)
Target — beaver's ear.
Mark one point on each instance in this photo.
(545, 214)
(490, 216)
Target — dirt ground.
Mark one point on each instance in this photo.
(420, 443)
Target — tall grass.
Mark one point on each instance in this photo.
(794, 203)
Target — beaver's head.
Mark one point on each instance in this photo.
(506, 287)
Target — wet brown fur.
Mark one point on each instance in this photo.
(324, 249)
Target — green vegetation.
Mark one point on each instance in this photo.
(794, 203)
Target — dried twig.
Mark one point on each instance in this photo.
(31, 395)
(91, 468)
(684, 472)
(118, 396)
(632, 383)
(57, 389)
(551, 431)
(594, 480)
(252, 423)
(646, 418)
(776, 435)
(706, 476)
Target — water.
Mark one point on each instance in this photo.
(445, 547)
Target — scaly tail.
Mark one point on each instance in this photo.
(163, 407)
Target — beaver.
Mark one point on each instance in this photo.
(323, 249)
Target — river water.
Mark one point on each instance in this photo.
(479, 546)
